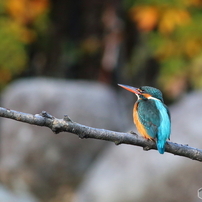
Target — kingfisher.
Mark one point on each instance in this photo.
(150, 115)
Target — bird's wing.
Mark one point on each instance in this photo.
(168, 112)
(149, 116)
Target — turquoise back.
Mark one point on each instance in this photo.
(164, 128)
(155, 117)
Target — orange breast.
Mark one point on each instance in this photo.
(139, 125)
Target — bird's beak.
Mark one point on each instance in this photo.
(130, 88)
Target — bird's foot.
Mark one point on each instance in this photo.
(149, 139)
(153, 140)
(146, 148)
(149, 146)
(117, 142)
(132, 132)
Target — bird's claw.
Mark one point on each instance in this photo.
(146, 148)
(132, 132)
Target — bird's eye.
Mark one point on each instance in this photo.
(140, 90)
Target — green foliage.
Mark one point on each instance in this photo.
(13, 56)
(19, 29)
(2, 6)
(173, 30)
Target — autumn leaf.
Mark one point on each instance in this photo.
(171, 18)
(193, 47)
(146, 17)
(197, 3)
(25, 11)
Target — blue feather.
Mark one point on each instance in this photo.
(164, 128)
(151, 115)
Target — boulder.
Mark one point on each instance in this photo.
(127, 173)
(45, 163)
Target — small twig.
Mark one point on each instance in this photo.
(67, 125)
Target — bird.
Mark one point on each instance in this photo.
(150, 115)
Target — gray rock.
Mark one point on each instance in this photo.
(127, 173)
(43, 161)
(8, 196)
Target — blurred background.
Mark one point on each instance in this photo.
(66, 57)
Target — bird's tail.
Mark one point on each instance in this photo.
(161, 146)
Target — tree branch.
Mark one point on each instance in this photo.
(67, 125)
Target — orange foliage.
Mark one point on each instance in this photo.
(166, 51)
(196, 3)
(193, 47)
(25, 11)
(5, 76)
(171, 18)
(146, 17)
(165, 18)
